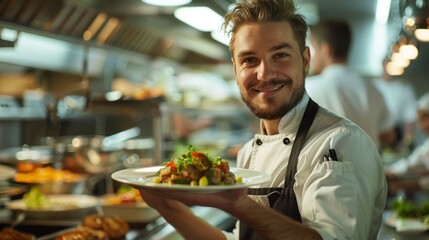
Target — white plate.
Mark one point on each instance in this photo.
(136, 212)
(6, 172)
(62, 206)
(404, 225)
(143, 178)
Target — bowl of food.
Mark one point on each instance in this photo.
(37, 205)
(128, 205)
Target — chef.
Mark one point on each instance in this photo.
(412, 171)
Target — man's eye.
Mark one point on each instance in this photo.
(281, 55)
(249, 60)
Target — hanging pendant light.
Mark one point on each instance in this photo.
(422, 30)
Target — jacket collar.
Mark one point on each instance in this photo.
(289, 123)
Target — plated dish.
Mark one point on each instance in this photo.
(143, 178)
(127, 204)
(131, 213)
(404, 225)
(63, 206)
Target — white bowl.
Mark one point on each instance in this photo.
(130, 212)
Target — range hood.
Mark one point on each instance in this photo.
(52, 33)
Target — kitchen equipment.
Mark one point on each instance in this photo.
(28, 157)
(19, 218)
(95, 154)
(85, 154)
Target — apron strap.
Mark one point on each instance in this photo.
(286, 203)
(304, 127)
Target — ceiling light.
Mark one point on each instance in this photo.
(422, 34)
(201, 18)
(399, 60)
(409, 51)
(393, 69)
(167, 3)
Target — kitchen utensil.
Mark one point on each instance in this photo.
(18, 219)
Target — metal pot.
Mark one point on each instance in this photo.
(86, 154)
(94, 154)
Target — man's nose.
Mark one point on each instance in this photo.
(266, 71)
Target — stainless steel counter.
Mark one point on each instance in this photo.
(390, 233)
(47, 229)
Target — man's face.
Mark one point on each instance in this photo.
(269, 68)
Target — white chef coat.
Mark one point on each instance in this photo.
(345, 93)
(414, 164)
(400, 99)
(341, 200)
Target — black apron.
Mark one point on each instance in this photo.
(283, 199)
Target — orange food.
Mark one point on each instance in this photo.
(47, 174)
(128, 197)
(27, 166)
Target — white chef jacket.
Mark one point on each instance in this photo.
(345, 93)
(400, 99)
(341, 200)
(415, 164)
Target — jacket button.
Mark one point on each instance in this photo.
(286, 141)
(258, 142)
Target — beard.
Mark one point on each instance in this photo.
(276, 112)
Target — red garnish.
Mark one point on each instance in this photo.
(128, 201)
(172, 165)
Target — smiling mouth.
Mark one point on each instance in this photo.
(268, 88)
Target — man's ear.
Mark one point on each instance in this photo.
(306, 56)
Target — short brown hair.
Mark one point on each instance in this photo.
(262, 11)
(336, 33)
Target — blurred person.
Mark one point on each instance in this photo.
(309, 196)
(401, 100)
(411, 173)
(342, 90)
